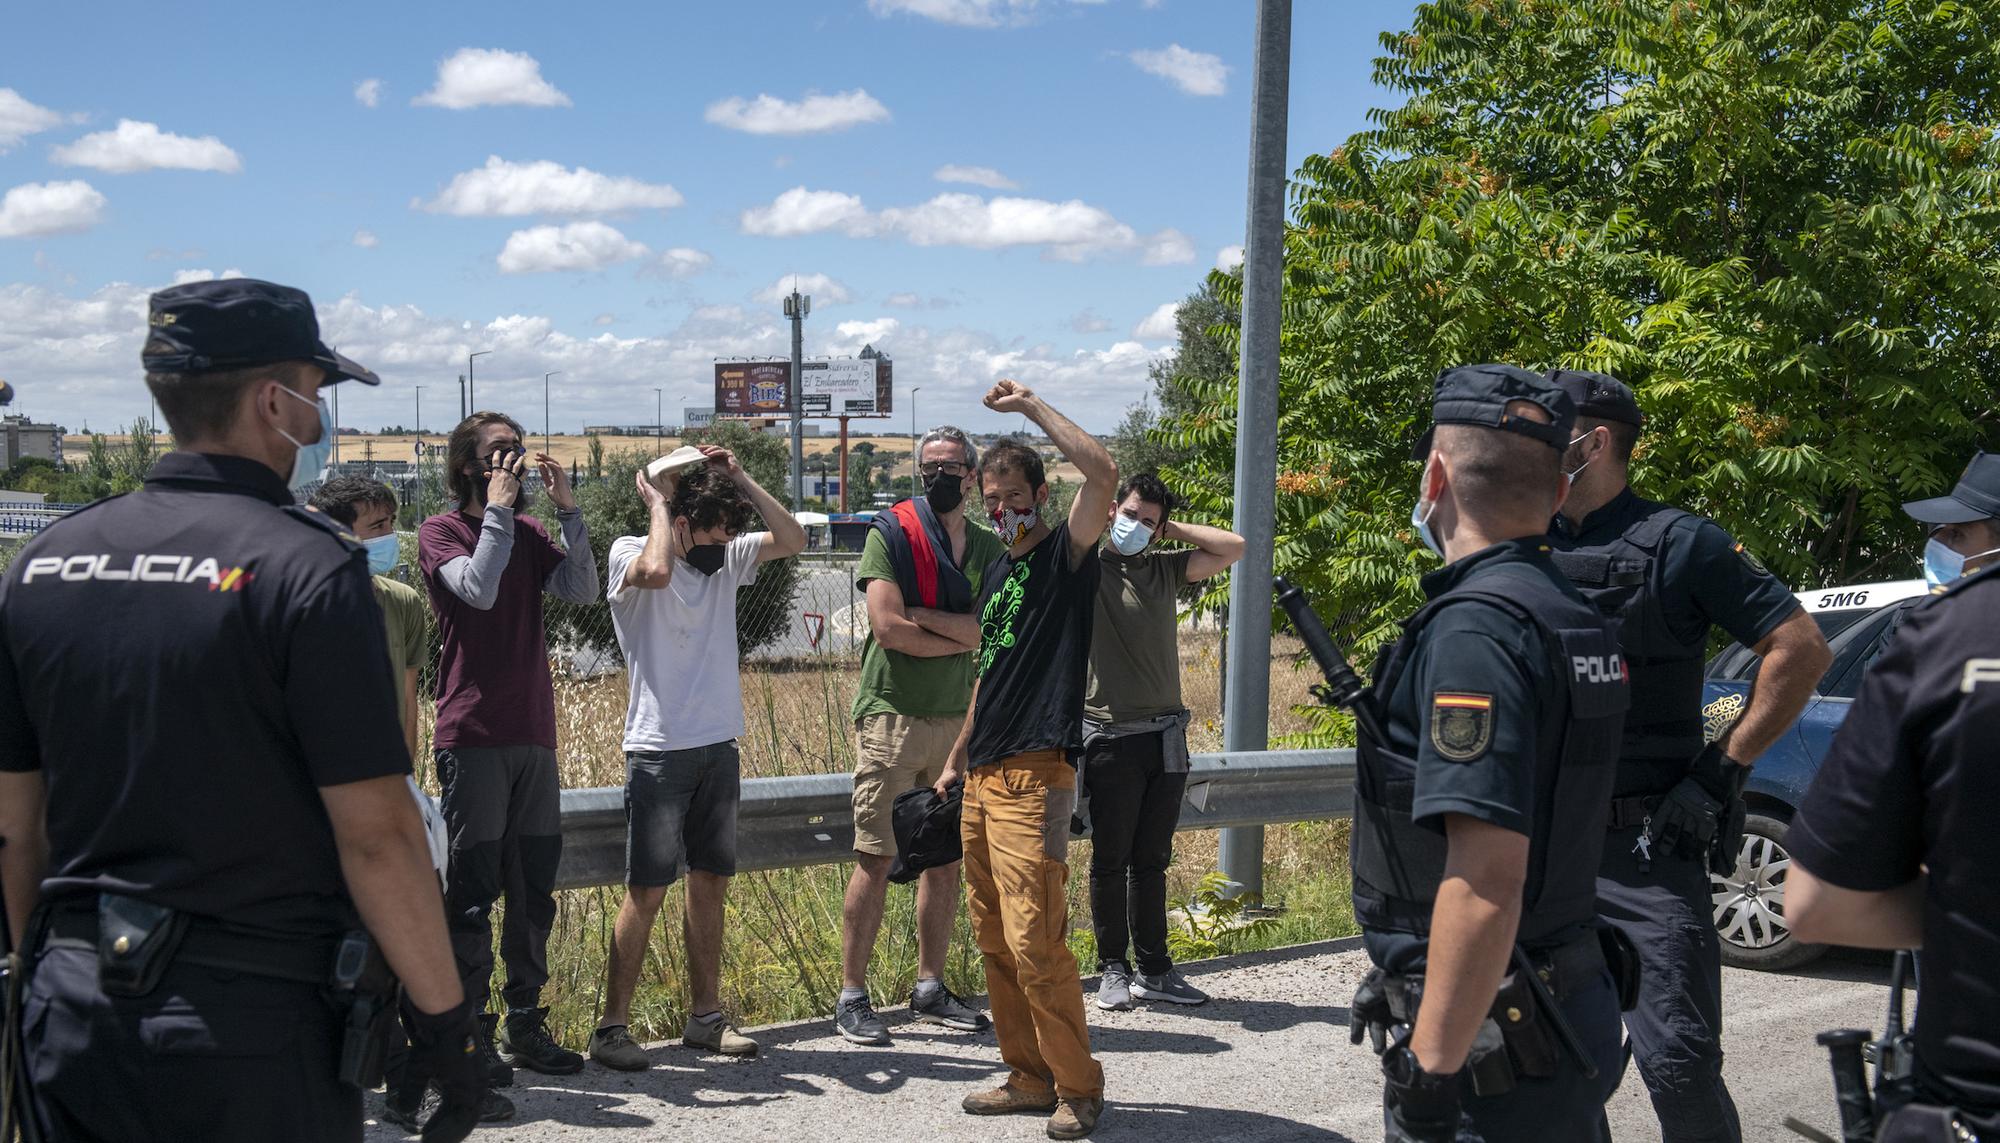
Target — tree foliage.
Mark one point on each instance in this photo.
(1777, 221)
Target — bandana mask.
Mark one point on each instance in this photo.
(1010, 525)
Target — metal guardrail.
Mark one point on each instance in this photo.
(789, 823)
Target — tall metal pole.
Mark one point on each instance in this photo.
(471, 384)
(659, 420)
(418, 428)
(1247, 689)
(796, 307)
(914, 484)
(461, 396)
(545, 409)
(336, 425)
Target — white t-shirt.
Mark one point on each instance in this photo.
(680, 650)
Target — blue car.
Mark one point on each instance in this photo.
(1750, 902)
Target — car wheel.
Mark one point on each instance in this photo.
(1750, 902)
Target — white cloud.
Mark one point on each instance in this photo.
(823, 289)
(1159, 325)
(977, 176)
(502, 189)
(1068, 231)
(34, 209)
(769, 115)
(366, 239)
(964, 13)
(1087, 321)
(578, 246)
(183, 277)
(867, 332)
(368, 92)
(683, 262)
(20, 118)
(1228, 258)
(490, 77)
(1196, 73)
(802, 211)
(134, 146)
(604, 319)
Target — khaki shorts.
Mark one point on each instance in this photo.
(896, 753)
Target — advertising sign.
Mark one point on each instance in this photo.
(697, 418)
(836, 387)
(751, 388)
(842, 387)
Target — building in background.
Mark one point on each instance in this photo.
(21, 437)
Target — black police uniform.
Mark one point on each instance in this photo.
(1668, 575)
(1502, 701)
(1909, 787)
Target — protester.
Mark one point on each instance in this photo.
(486, 564)
(1135, 753)
(922, 568)
(368, 508)
(673, 607)
(1016, 755)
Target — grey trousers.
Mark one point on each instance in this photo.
(503, 808)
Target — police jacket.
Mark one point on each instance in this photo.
(1502, 701)
(1666, 575)
(1908, 788)
(187, 666)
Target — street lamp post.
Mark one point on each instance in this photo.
(418, 428)
(545, 409)
(659, 419)
(913, 438)
(471, 384)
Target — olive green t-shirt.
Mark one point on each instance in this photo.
(1135, 661)
(895, 683)
(403, 614)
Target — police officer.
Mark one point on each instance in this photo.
(1676, 809)
(1479, 809)
(1894, 846)
(201, 772)
(1965, 525)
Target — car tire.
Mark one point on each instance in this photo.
(1749, 902)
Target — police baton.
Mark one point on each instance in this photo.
(1342, 688)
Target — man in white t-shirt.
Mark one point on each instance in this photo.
(673, 605)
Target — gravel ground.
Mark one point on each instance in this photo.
(1267, 1060)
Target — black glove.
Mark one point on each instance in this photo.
(1689, 816)
(442, 1052)
(1423, 1106)
(1368, 1013)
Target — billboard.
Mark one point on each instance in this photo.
(830, 387)
(694, 418)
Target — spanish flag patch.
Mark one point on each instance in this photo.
(1461, 724)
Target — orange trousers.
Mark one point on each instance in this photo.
(1015, 826)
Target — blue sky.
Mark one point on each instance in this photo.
(616, 191)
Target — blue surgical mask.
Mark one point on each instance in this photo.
(1942, 565)
(309, 464)
(383, 552)
(1128, 536)
(1420, 517)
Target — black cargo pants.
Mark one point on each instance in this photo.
(502, 806)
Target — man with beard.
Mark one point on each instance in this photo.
(486, 565)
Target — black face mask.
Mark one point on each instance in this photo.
(707, 558)
(944, 492)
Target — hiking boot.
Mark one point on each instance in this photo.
(498, 1073)
(525, 1042)
(1007, 1100)
(1075, 1118)
(612, 1046)
(717, 1035)
(943, 1007)
(857, 1023)
(1114, 987)
(1169, 986)
(409, 1115)
(494, 1107)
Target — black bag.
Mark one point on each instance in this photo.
(136, 941)
(926, 829)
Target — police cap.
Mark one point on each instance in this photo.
(235, 323)
(1600, 396)
(1977, 496)
(1479, 395)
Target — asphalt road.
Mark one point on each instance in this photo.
(1267, 1060)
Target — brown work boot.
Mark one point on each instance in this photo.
(1007, 1100)
(1075, 1118)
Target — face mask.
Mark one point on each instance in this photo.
(1128, 536)
(383, 552)
(707, 558)
(1571, 476)
(1011, 526)
(309, 463)
(1943, 565)
(1420, 516)
(944, 492)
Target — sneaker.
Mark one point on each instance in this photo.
(945, 1008)
(717, 1035)
(857, 1023)
(1114, 987)
(525, 1042)
(1169, 986)
(409, 1116)
(613, 1047)
(498, 1072)
(1075, 1118)
(1007, 1100)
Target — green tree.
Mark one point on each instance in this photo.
(1776, 220)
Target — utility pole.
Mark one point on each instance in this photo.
(461, 396)
(916, 485)
(1246, 720)
(545, 408)
(418, 428)
(659, 420)
(797, 305)
(471, 385)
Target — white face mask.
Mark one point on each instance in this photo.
(1128, 536)
(1420, 516)
(1571, 476)
(1011, 526)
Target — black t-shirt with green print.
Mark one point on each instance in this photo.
(1034, 651)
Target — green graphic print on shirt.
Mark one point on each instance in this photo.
(996, 622)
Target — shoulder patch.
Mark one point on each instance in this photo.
(1717, 717)
(1461, 724)
(1756, 565)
